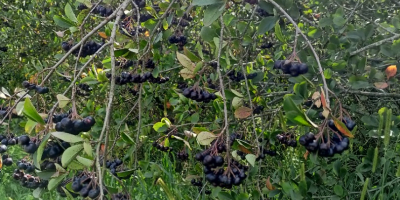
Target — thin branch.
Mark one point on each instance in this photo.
(375, 44)
(321, 71)
(105, 131)
(221, 83)
(139, 122)
(98, 27)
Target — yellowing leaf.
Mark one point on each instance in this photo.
(243, 149)
(187, 74)
(381, 85)
(391, 71)
(205, 138)
(185, 61)
(316, 98)
(325, 113)
(342, 128)
(62, 100)
(243, 112)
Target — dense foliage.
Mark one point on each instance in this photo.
(201, 99)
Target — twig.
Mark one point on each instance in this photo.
(105, 130)
(221, 83)
(375, 44)
(88, 15)
(321, 71)
(98, 27)
(139, 122)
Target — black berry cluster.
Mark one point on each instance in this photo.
(82, 6)
(7, 160)
(29, 181)
(327, 148)
(264, 151)
(54, 150)
(143, 17)
(211, 84)
(125, 64)
(24, 140)
(180, 22)
(3, 49)
(32, 86)
(263, 13)
(112, 165)
(182, 155)
(119, 196)
(291, 68)
(240, 76)
(161, 147)
(89, 48)
(140, 3)
(75, 126)
(198, 95)
(25, 166)
(287, 139)
(267, 45)
(178, 39)
(103, 11)
(199, 185)
(86, 187)
(258, 109)
(150, 64)
(127, 77)
(84, 87)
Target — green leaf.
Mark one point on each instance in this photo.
(61, 22)
(85, 161)
(70, 13)
(199, 66)
(328, 73)
(89, 80)
(236, 93)
(123, 174)
(242, 196)
(338, 190)
(237, 102)
(39, 151)
(267, 24)
(31, 113)
(212, 13)
(225, 196)
(128, 139)
(67, 137)
(37, 192)
(195, 118)
(206, 2)
(75, 165)
(185, 61)
(87, 147)
(205, 138)
(160, 127)
(29, 126)
(54, 182)
(278, 32)
(191, 55)
(208, 34)
(70, 154)
(294, 114)
(338, 20)
(301, 89)
(251, 158)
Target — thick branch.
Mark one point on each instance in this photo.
(105, 129)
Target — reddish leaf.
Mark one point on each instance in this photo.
(391, 71)
(243, 112)
(342, 128)
(243, 149)
(306, 155)
(323, 100)
(103, 35)
(381, 85)
(269, 185)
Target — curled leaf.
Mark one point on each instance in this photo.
(269, 184)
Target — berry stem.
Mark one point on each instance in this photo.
(321, 70)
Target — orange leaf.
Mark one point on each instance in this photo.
(306, 155)
(243, 149)
(147, 34)
(168, 104)
(243, 112)
(269, 185)
(103, 35)
(342, 128)
(391, 71)
(381, 85)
